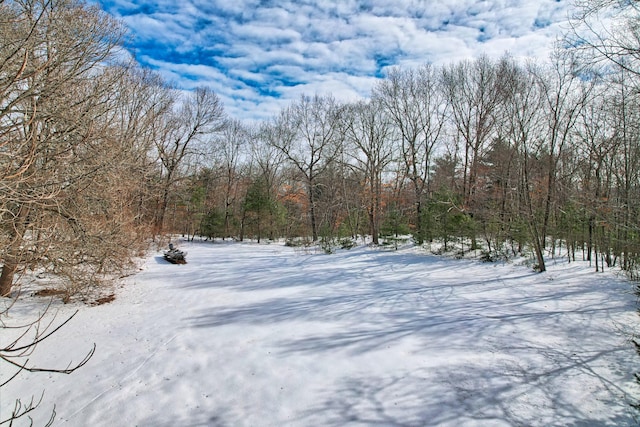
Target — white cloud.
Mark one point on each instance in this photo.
(259, 54)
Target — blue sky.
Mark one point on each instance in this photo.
(258, 55)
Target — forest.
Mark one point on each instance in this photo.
(100, 156)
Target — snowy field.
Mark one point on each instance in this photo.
(267, 335)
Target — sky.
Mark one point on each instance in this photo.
(259, 55)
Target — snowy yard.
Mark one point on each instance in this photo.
(267, 335)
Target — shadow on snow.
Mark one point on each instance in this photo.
(488, 352)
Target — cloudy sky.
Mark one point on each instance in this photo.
(259, 54)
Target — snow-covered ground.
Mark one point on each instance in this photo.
(267, 335)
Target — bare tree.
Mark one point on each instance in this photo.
(523, 125)
(565, 94)
(264, 172)
(415, 101)
(605, 32)
(624, 109)
(473, 91)
(595, 133)
(144, 101)
(307, 133)
(370, 147)
(268, 158)
(56, 88)
(232, 146)
(192, 121)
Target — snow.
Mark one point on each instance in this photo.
(268, 335)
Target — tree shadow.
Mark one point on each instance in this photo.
(459, 396)
(194, 420)
(516, 352)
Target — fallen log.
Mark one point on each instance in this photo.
(175, 256)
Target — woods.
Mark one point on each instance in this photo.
(98, 155)
(64, 207)
(504, 157)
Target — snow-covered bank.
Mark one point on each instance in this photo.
(266, 335)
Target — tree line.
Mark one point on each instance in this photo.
(507, 156)
(98, 155)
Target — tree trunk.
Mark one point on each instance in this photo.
(243, 219)
(11, 259)
(539, 249)
(6, 278)
(538, 240)
(312, 214)
(419, 231)
(372, 227)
